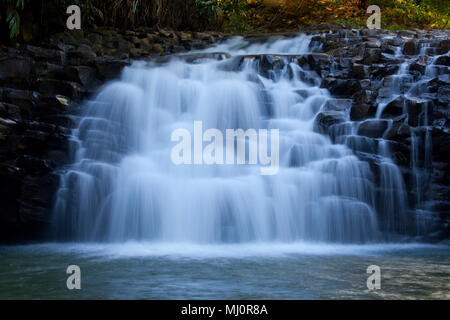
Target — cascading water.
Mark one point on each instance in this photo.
(123, 185)
(412, 88)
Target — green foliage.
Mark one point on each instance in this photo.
(229, 15)
(236, 11)
(12, 15)
(236, 16)
(11, 10)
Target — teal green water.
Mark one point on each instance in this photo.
(259, 271)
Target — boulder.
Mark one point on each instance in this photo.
(10, 186)
(81, 74)
(52, 104)
(360, 111)
(410, 48)
(33, 143)
(315, 61)
(34, 165)
(383, 70)
(394, 108)
(441, 144)
(109, 68)
(359, 71)
(389, 49)
(48, 55)
(418, 67)
(338, 105)
(325, 120)
(341, 87)
(419, 111)
(399, 131)
(361, 144)
(371, 56)
(25, 99)
(365, 97)
(443, 60)
(42, 69)
(185, 36)
(15, 71)
(373, 128)
(37, 196)
(10, 111)
(157, 48)
(443, 96)
(445, 44)
(59, 87)
(7, 126)
(83, 55)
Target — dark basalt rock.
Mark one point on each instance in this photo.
(25, 99)
(372, 56)
(419, 67)
(420, 111)
(83, 55)
(55, 87)
(341, 87)
(443, 96)
(359, 71)
(325, 120)
(47, 55)
(359, 111)
(399, 131)
(410, 48)
(109, 68)
(34, 165)
(383, 70)
(10, 111)
(316, 62)
(83, 75)
(52, 104)
(443, 60)
(15, 71)
(10, 187)
(394, 108)
(341, 105)
(441, 144)
(373, 128)
(362, 144)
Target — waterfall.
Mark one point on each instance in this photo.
(123, 186)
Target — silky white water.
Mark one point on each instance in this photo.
(123, 185)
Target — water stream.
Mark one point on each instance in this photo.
(140, 226)
(123, 185)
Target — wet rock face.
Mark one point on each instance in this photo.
(40, 85)
(341, 87)
(399, 86)
(326, 120)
